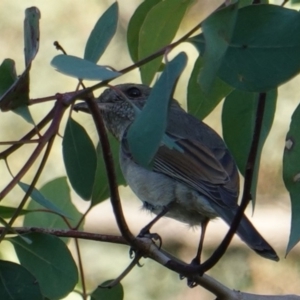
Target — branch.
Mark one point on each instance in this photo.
(219, 252)
(163, 258)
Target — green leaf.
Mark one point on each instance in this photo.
(200, 104)
(16, 283)
(58, 192)
(38, 197)
(101, 293)
(100, 187)
(7, 212)
(238, 120)
(24, 112)
(167, 16)
(199, 42)
(80, 159)
(291, 175)
(102, 34)
(18, 92)
(134, 26)
(264, 50)
(8, 76)
(50, 262)
(81, 68)
(148, 128)
(31, 33)
(217, 30)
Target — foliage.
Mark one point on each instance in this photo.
(244, 50)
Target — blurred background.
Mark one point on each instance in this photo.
(70, 23)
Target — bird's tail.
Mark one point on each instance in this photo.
(247, 232)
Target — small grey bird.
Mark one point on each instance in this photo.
(191, 186)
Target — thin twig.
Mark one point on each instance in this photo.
(247, 186)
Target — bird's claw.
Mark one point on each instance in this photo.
(153, 236)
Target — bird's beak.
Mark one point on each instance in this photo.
(82, 106)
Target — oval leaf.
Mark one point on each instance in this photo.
(115, 293)
(81, 68)
(291, 175)
(80, 159)
(134, 26)
(100, 187)
(238, 121)
(31, 33)
(264, 50)
(200, 104)
(17, 283)
(102, 34)
(50, 261)
(58, 192)
(158, 30)
(217, 30)
(39, 198)
(147, 130)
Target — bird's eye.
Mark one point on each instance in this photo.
(134, 92)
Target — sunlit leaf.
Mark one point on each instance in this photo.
(102, 34)
(81, 68)
(31, 33)
(134, 26)
(158, 30)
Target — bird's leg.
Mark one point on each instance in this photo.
(145, 232)
(197, 259)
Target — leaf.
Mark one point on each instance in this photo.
(40, 199)
(158, 30)
(238, 121)
(8, 76)
(264, 50)
(50, 262)
(31, 33)
(134, 26)
(58, 192)
(80, 159)
(100, 187)
(16, 283)
(81, 68)
(102, 34)
(217, 31)
(17, 94)
(200, 104)
(148, 128)
(7, 212)
(101, 293)
(24, 112)
(291, 176)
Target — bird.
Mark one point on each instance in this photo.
(194, 185)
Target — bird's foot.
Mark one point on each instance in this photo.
(155, 237)
(190, 282)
